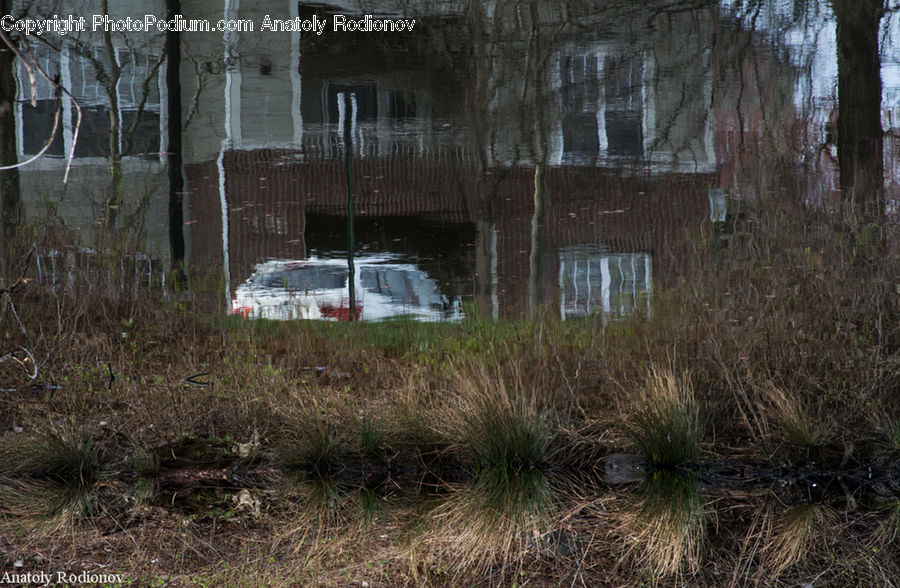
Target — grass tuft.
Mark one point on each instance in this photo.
(888, 530)
(791, 416)
(666, 425)
(790, 539)
(370, 505)
(889, 428)
(370, 437)
(49, 479)
(666, 527)
(507, 440)
(312, 442)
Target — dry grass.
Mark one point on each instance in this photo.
(792, 418)
(889, 429)
(500, 422)
(791, 535)
(888, 529)
(665, 528)
(505, 438)
(665, 423)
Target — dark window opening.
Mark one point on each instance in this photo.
(36, 126)
(365, 97)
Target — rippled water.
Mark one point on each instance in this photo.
(495, 158)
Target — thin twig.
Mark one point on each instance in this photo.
(12, 306)
(47, 143)
(195, 99)
(31, 65)
(75, 132)
(578, 572)
(112, 376)
(12, 46)
(191, 379)
(145, 93)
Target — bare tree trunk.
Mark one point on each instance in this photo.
(10, 193)
(114, 198)
(535, 74)
(479, 97)
(174, 148)
(860, 138)
(536, 297)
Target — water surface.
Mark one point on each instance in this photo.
(498, 158)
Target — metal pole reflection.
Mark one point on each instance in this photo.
(348, 161)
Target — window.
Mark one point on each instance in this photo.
(593, 281)
(85, 83)
(364, 100)
(580, 92)
(623, 97)
(602, 102)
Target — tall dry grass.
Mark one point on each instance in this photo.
(505, 438)
(794, 422)
(784, 335)
(665, 423)
(666, 526)
(52, 479)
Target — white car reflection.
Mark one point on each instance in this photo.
(318, 288)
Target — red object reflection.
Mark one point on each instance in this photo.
(244, 311)
(342, 312)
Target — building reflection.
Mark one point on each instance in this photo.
(622, 183)
(121, 122)
(503, 154)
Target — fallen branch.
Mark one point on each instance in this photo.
(191, 379)
(23, 362)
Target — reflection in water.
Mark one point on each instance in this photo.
(593, 281)
(349, 113)
(319, 288)
(860, 141)
(175, 148)
(518, 137)
(520, 156)
(10, 193)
